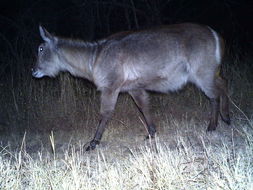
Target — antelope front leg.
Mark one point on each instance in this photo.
(108, 101)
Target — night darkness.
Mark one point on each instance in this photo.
(46, 124)
(89, 19)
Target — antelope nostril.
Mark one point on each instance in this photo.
(34, 70)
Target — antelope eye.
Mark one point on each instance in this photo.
(40, 49)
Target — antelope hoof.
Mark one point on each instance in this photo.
(150, 136)
(151, 131)
(92, 145)
(211, 127)
(226, 119)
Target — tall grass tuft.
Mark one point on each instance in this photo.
(151, 166)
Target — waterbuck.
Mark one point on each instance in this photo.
(161, 59)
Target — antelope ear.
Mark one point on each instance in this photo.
(46, 36)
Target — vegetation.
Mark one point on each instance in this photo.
(203, 162)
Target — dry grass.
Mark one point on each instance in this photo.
(199, 163)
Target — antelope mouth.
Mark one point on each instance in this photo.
(37, 73)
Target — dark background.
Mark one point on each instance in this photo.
(93, 19)
(29, 103)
